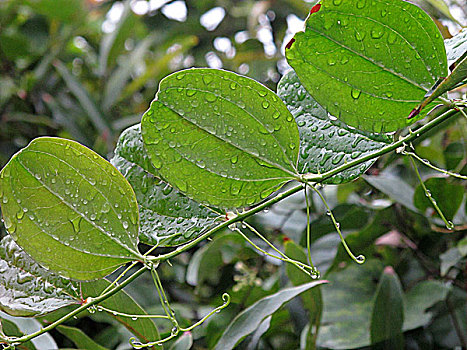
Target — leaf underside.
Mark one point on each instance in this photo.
(324, 143)
(220, 138)
(369, 63)
(26, 289)
(69, 209)
(167, 217)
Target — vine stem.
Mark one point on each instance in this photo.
(89, 302)
(443, 114)
(449, 224)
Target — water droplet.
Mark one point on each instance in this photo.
(359, 36)
(276, 115)
(292, 145)
(384, 13)
(76, 223)
(180, 76)
(125, 225)
(392, 37)
(331, 61)
(377, 33)
(233, 85)
(355, 93)
(190, 92)
(337, 2)
(210, 97)
(360, 4)
(207, 79)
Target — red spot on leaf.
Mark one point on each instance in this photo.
(285, 239)
(289, 44)
(315, 8)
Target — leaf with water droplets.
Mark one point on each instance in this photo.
(26, 289)
(220, 138)
(69, 209)
(369, 63)
(456, 46)
(167, 217)
(324, 143)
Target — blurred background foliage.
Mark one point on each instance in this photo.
(86, 70)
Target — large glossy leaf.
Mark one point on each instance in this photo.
(26, 289)
(248, 320)
(221, 138)
(69, 209)
(369, 63)
(324, 143)
(387, 317)
(167, 217)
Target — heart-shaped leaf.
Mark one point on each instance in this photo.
(26, 289)
(69, 209)
(221, 138)
(369, 63)
(167, 217)
(324, 143)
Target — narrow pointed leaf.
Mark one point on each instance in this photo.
(167, 217)
(325, 144)
(69, 209)
(249, 320)
(26, 289)
(221, 138)
(369, 63)
(388, 313)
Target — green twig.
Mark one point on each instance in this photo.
(358, 259)
(428, 164)
(449, 224)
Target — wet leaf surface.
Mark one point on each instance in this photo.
(325, 144)
(69, 209)
(349, 60)
(167, 217)
(220, 138)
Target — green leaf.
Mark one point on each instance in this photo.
(143, 328)
(26, 289)
(393, 186)
(248, 320)
(369, 63)
(207, 260)
(348, 302)
(421, 298)
(456, 46)
(184, 342)
(68, 11)
(448, 196)
(324, 143)
(449, 258)
(9, 328)
(312, 299)
(167, 217)
(221, 138)
(388, 313)
(79, 338)
(69, 209)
